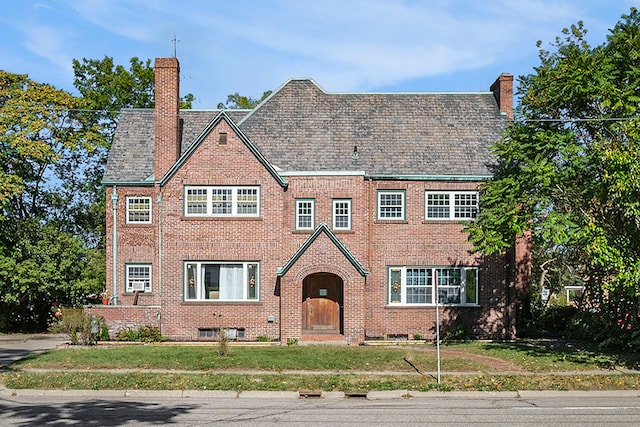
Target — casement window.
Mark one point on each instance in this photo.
(391, 205)
(408, 285)
(305, 213)
(450, 205)
(138, 277)
(341, 214)
(138, 210)
(222, 201)
(221, 281)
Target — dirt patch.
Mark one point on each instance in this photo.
(496, 364)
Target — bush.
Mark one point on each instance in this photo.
(146, 333)
(82, 328)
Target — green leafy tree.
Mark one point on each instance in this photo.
(242, 102)
(568, 169)
(47, 153)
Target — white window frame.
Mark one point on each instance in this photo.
(399, 281)
(130, 286)
(337, 216)
(133, 208)
(209, 203)
(195, 286)
(381, 215)
(453, 205)
(305, 211)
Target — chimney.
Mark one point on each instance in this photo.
(502, 90)
(167, 115)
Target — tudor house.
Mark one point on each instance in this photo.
(315, 216)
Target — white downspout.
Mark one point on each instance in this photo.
(114, 200)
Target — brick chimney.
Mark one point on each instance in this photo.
(167, 114)
(502, 90)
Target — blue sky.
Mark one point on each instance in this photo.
(250, 46)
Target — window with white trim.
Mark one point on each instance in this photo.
(138, 210)
(341, 214)
(222, 201)
(450, 205)
(409, 285)
(138, 277)
(221, 281)
(305, 213)
(391, 205)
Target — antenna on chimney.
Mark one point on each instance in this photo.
(175, 43)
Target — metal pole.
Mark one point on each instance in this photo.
(435, 278)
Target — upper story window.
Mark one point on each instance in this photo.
(138, 277)
(451, 205)
(221, 281)
(391, 205)
(305, 214)
(222, 201)
(409, 285)
(341, 214)
(138, 210)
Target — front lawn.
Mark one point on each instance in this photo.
(465, 366)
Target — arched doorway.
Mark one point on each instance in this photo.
(322, 304)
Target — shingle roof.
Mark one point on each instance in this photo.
(300, 127)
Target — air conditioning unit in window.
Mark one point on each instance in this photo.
(137, 286)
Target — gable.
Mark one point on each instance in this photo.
(322, 229)
(199, 140)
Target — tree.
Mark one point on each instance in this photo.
(47, 153)
(108, 88)
(568, 169)
(243, 102)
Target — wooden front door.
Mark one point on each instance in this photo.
(322, 298)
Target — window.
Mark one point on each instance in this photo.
(305, 214)
(138, 277)
(138, 210)
(391, 205)
(451, 205)
(417, 285)
(221, 281)
(342, 214)
(222, 201)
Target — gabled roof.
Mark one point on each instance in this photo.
(322, 228)
(198, 140)
(302, 128)
(131, 158)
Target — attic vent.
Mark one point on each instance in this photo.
(222, 138)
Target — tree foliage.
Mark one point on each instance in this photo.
(568, 169)
(236, 100)
(48, 152)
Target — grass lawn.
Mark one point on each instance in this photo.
(328, 368)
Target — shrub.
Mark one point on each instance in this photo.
(82, 328)
(146, 333)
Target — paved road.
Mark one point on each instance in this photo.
(265, 409)
(17, 346)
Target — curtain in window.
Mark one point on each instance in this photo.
(231, 284)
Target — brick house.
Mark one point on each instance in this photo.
(314, 216)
